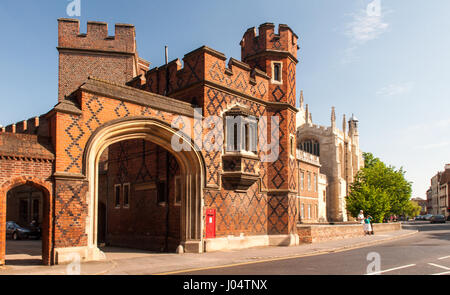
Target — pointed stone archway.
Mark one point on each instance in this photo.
(45, 188)
(160, 133)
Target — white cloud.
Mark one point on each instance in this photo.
(396, 89)
(365, 27)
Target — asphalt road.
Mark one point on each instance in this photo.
(425, 253)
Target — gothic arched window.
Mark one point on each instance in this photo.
(310, 146)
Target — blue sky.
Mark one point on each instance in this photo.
(390, 69)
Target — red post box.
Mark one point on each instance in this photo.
(210, 223)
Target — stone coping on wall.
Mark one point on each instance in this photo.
(244, 242)
(313, 233)
(132, 95)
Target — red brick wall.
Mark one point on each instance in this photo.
(143, 224)
(18, 171)
(238, 213)
(218, 86)
(26, 159)
(94, 54)
(310, 195)
(205, 79)
(70, 213)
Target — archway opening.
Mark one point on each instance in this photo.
(192, 171)
(140, 189)
(25, 217)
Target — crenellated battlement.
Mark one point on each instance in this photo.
(205, 64)
(95, 53)
(266, 39)
(315, 128)
(96, 37)
(35, 125)
(276, 54)
(319, 130)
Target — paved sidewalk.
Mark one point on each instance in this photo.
(130, 262)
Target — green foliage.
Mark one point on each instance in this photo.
(412, 209)
(379, 190)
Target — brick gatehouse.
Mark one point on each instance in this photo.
(104, 163)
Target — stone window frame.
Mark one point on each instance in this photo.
(302, 180)
(126, 205)
(309, 181)
(273, 80)
(117, 202)
(316, 183)
(292, 146)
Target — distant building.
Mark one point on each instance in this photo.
(311, 189)
(438, 194)
(444, 194)
(340, 156)
(429, 201)
(422, 203)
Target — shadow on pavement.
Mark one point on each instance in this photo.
(438, 231)
(23, 252)
(23, 262)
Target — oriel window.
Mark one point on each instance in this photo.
(241, 132)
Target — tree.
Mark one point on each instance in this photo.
(379, 190)
(412, 209)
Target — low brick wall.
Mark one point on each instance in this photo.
(320, 233)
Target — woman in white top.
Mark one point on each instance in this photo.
(361, 217)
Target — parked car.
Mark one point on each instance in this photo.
(428, 217)
(437, 219)
(419, 217)
(17, 232)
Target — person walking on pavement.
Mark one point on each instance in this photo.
(367, 226)
(371, 224)
(361, 217)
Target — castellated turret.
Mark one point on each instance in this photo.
(276, 54)
(353, 126)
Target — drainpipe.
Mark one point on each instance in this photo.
(166, 91)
